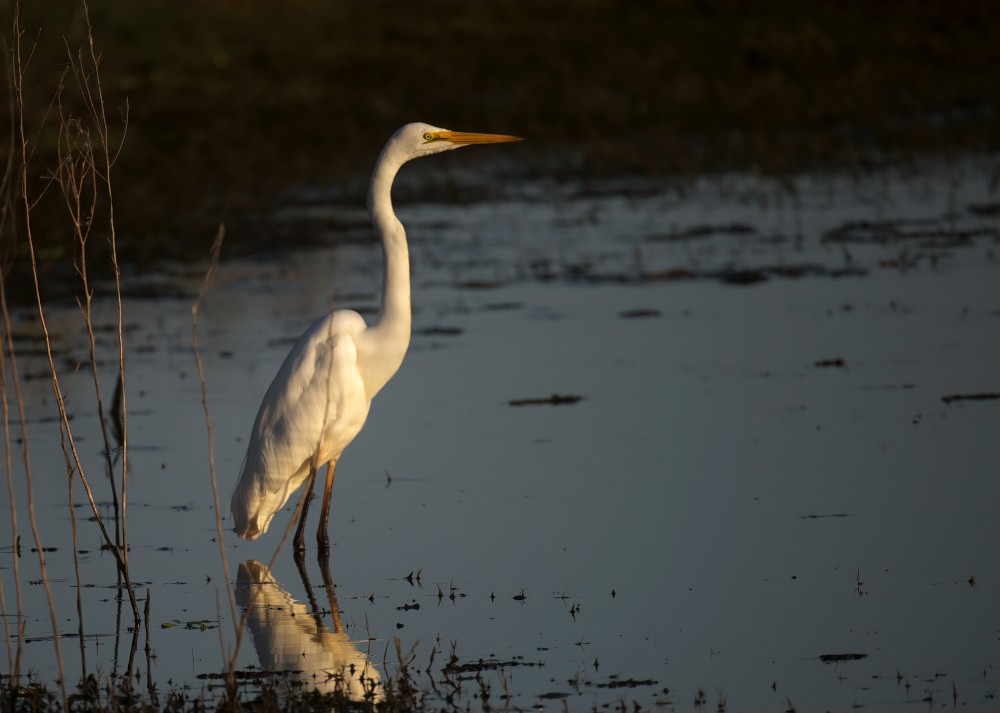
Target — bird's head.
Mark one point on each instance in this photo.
(419, 139)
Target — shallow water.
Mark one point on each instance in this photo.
(761, 472)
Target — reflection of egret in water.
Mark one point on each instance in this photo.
(291, 637)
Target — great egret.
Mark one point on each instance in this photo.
(320, 397)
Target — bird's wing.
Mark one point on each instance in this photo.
(315, 405)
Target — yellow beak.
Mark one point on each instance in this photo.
(462, 137)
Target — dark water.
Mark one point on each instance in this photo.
(762, 493)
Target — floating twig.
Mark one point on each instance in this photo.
(553, 400)
(984, 396)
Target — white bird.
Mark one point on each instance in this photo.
(321, 395)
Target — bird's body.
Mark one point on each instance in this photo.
(320, 398)
(315, 406)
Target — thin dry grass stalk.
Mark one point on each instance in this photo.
(84, 178)
(14, 659)
(296, 514)
(8, 227)
(93, 93)
(213, 265)
(24, 154)
(76, 166)
(77, 177)
(83, 181)
(76, 556)
(239, 623)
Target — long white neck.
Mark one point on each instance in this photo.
(391, 333)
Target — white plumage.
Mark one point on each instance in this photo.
(315, 406)
(320, 398)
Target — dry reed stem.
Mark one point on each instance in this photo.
(9, 203)
(72, 177)
(117, 549)
(76, 556)
(118, 632)
(100, 116)
(127, 681)
(8, 347)
(72, 183)
(18, 79)
(76, 173)
(230, 678)
(6, 627)
(12, 660)
(150, 686)
(239, 624)
(277, 550)
(299, 508)
(213, 265)
(299, 512)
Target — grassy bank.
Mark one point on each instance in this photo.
(229, 103)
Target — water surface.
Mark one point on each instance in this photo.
(762, 496)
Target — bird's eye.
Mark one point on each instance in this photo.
(428, 136)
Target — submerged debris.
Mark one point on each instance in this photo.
(836, 658)
(195, 625)
(888, 231)
(627, 683)
(487, 665)
(251, 674)
(985, 396)
(639, 313)
(705, 231)
(837, 363)
(553, 400)
(984, 208)
(439, 331)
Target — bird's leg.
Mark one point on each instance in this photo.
(331, 594)
(300, 562)
(322, 536)
(298, 543)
